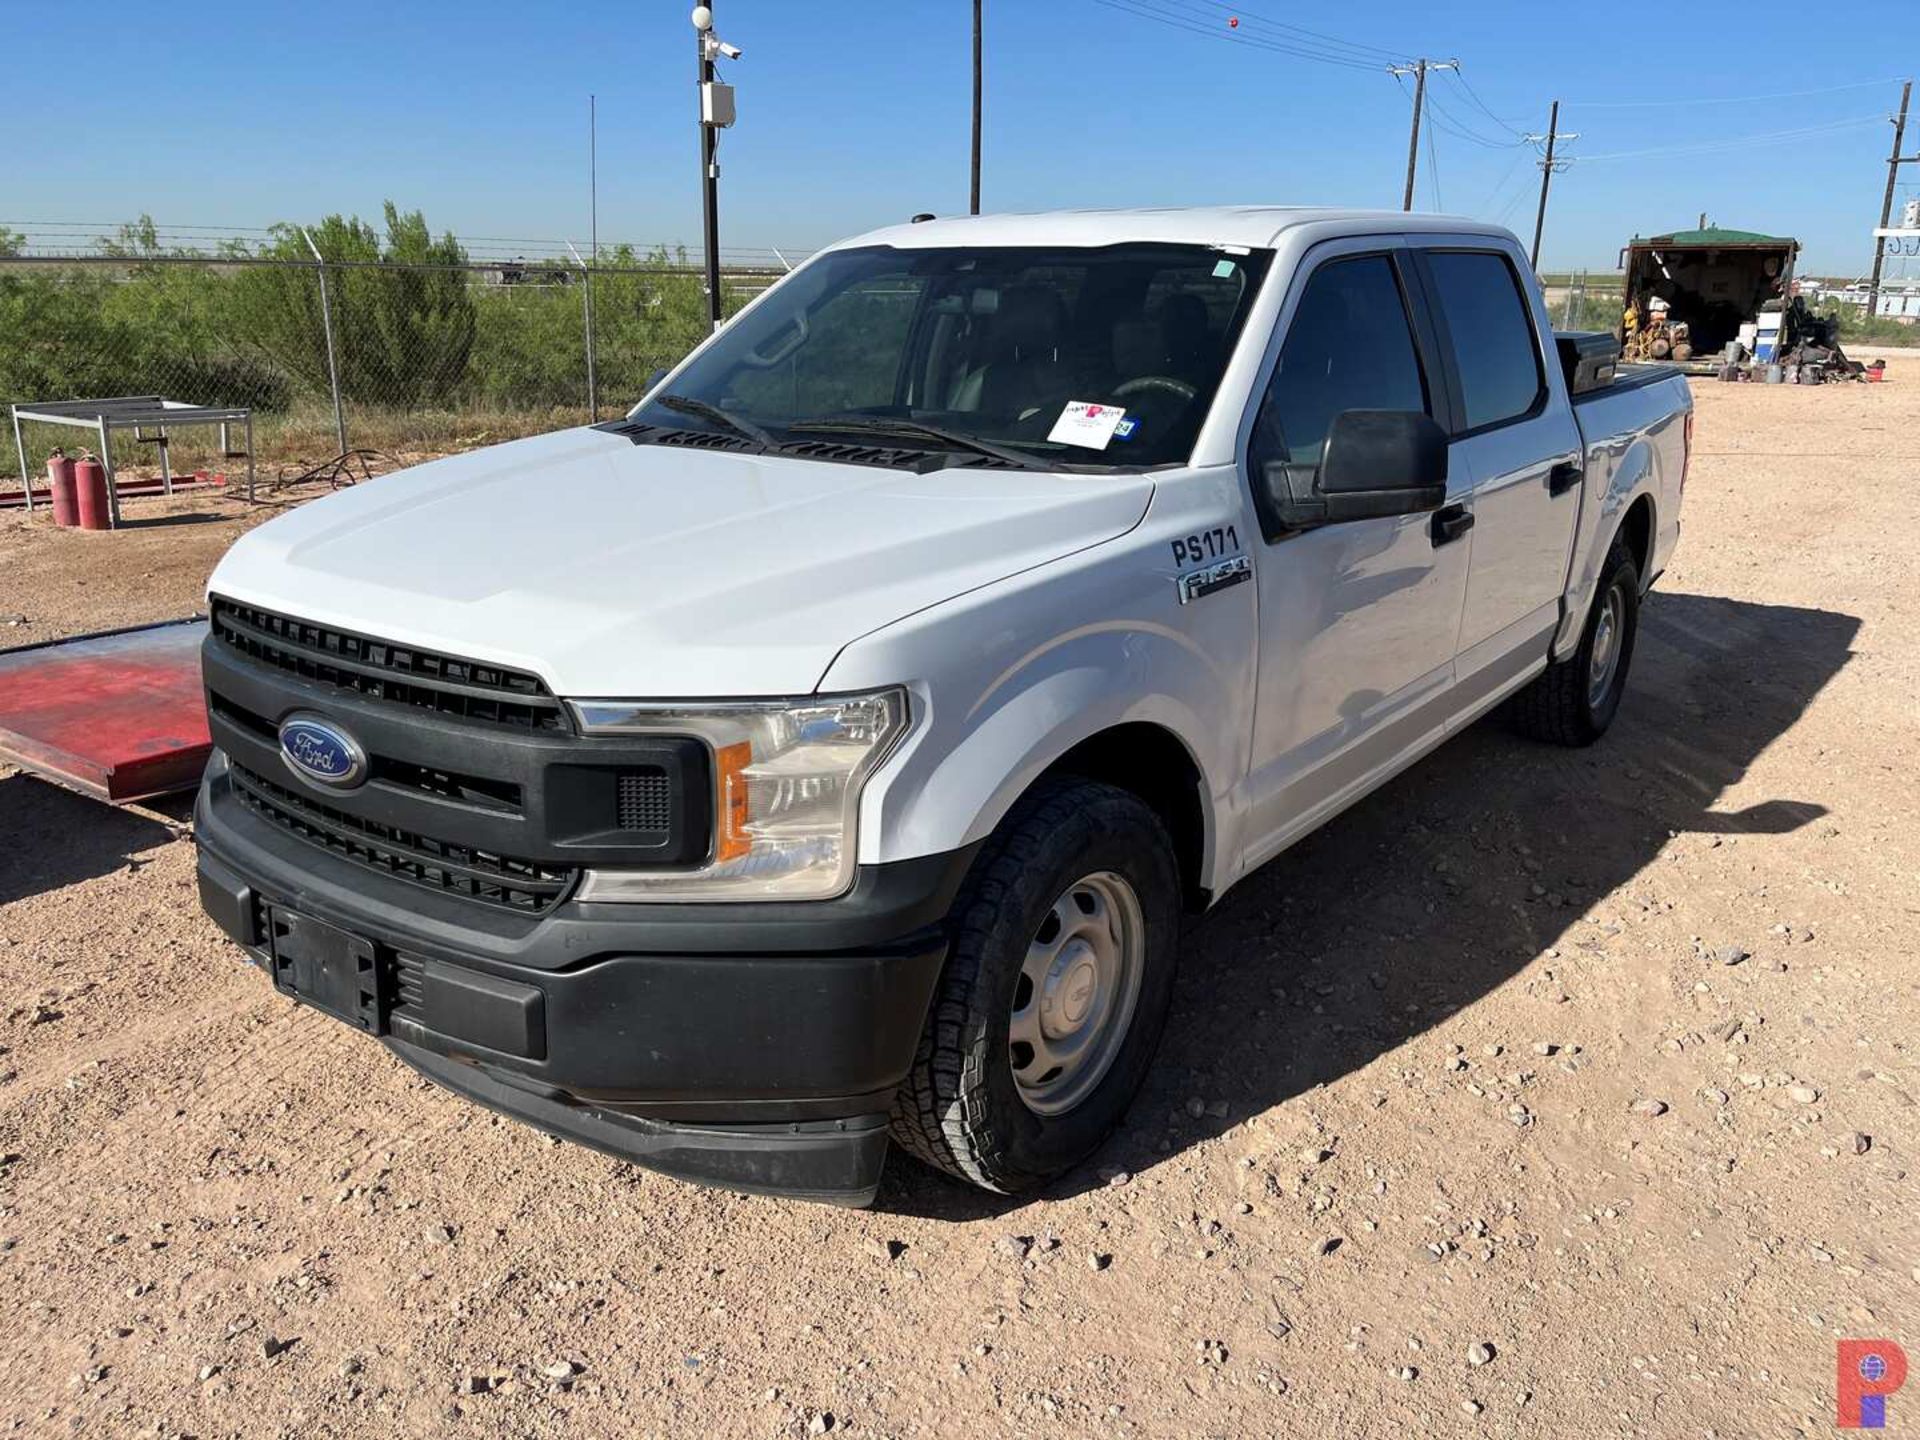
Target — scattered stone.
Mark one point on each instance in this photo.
(1016, 1246)
(1211, 1352)
(1545, 1047)
(888, 1250)
(272, 1346)
(478, 1384)
(439, 1234)
(1490, 1051)
(1327, 1246)
(1730, 955)
(560, 1371)
(1406, 1372)
(1472, 1407)
(1480, 1353)
(207, 1372)
(821, 1423)
(1802, 1094)
(1196, 1107)
(1649, 1107)
(1715, 1097)
(1099, 1260)
(1520, 1115)
(1115, 1178)
(1314, 1155)
(1862, 1142)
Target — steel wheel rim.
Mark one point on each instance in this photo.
(1607, 632)
(1078, 987)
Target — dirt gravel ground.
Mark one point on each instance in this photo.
(1399, 1168)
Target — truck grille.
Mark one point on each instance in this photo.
(382, 671)
(527, 886)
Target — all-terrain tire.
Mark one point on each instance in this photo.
(960, 1109)
(1558, 706)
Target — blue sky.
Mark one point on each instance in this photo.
(856, 115)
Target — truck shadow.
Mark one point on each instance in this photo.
(51, 838)
(1455, 877)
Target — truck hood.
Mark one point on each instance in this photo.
(612, 569)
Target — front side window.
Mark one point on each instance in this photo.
(1498, 363)
(1350, 347)
(990, 344)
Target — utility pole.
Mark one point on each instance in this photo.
(1894, 162)
(1547, 167)
(973, 203)
(716, 113)
(1418, 70)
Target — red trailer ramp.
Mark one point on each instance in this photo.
(119, 716)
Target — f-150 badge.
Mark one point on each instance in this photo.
(1196, 584)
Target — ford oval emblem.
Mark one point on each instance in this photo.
(318, 750)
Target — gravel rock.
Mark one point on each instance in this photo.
(1479, 1353)
(1649, 1107)
(1730, 954)
(1862, 1142)
(1802, 1094)
(1099, 1260)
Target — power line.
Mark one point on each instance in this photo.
(1456, 126)
(1731, 99)
(1433, 172)
(1474, 95)
(1246, 16)
(1147, 10)
(1741, 142)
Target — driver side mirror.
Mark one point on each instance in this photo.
(1376, 463)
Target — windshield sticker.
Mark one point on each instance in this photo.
(1087, 423)
(1124, 430)
(1222, 269)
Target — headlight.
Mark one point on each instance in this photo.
(787, 779)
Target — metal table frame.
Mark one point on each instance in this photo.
(136, 413)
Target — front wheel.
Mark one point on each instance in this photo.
(1574, 700)
(1054, 994)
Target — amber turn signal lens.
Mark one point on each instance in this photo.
(731, 841)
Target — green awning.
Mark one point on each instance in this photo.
(1716, 235)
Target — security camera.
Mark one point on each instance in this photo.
(732, 52)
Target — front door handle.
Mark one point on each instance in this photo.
(1564, 476)
(1450, 522)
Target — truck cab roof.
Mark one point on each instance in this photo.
(1249, 225)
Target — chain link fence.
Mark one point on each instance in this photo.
(404, 345)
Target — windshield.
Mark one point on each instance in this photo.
(1062, 357)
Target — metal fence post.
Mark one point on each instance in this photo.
(326, 323)
(586, 297)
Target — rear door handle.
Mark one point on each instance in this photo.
(1450, 523)
(1564, 476)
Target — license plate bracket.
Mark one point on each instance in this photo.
(328, 968)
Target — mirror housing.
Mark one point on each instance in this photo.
(1377, 463)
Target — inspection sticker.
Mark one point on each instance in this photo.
(1087, 423)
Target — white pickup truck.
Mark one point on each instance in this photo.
(828, 751)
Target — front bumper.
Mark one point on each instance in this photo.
(752, 1046)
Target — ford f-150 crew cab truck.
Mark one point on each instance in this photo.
(827, 752)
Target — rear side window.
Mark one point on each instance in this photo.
(1499, 365)
(1350, 347)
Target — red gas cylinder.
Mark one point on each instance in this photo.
(66, 504)
(90, 483)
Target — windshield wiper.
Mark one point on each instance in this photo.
(906, 429)
(688, 405)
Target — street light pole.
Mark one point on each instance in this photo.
(709, 162)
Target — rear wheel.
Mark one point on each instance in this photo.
(1574, 700)
(1055, 993)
